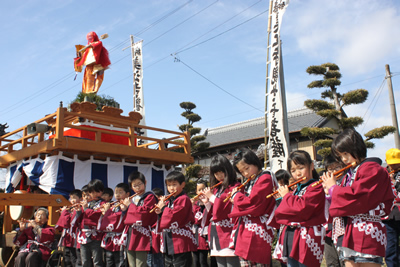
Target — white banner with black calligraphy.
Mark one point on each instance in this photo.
(277, 147)
(138, 98)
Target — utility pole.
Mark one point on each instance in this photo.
(392, 107)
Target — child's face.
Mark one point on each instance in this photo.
(347, 158)
(334, 167)
(138, 186)
(220, 176)
(86, 196)
(74, 199)
(281, 183)
(247, 170)
(120, 194)
(394, 167)
(299, 171)
(175, 186)
(106, 197)
(199, 188)
(95, 195)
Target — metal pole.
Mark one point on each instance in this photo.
(266, 88)
(392, 107)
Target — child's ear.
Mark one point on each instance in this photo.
(183, 184)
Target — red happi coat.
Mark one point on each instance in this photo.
(68, 233)
(28, 240)
(201, 220)
(221, 226)
(112, 225)
(176, 226)
(369, 197)
(88, 220)
(139, 222)
(252, 234)
(303, 211)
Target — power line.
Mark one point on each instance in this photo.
(378, 93)
(219, 25)
(163, 18)
(182, 22)
(219, 87)
(215, 36)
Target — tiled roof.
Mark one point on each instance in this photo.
(254, 128)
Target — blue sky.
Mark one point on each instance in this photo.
(37, 45)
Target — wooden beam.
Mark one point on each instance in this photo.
(33, 200)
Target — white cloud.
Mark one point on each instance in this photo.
(356, 34)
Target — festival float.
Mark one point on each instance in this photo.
(66, 149)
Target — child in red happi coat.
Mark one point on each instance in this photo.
(200, 228)
(68, 232)
(139, 220)
(177, 240)
(253, 235)
(302, 214)
(221, 226)
(361, 200)
(112, 225)
(88, 217)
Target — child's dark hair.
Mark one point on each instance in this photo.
(123, 186)
(220, 163)
(349, 141)
(249, 157)
(85, 189)
(303, 158)
(202, 182)
(96, 185)
(108, 191)
(175, 176)
(76, 192)
(158, 191)
(330, 160)
(136, 175)
(282, 175)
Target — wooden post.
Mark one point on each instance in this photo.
(24, 134)
(60, 123)
(187, 143)
(7, 221)
(132, 141)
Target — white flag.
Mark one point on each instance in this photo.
(277, 148)
(138, 98)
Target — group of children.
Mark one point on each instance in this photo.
(237, 223)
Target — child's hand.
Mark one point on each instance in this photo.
(126, 202)
(161, 204)
(283, 190)
(84, 204)
(207, 192)
(276, 196)
(328, 181)
(204, 199)
(157, 210)
(105, 207)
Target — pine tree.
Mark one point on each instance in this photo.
(333, 107)
(195, 139)
(99, 100)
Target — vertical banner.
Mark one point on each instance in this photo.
(278, 146)
(138, 99)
